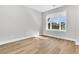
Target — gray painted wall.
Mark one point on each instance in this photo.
(18, 21)
(72, 22)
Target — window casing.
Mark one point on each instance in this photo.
(56, 23)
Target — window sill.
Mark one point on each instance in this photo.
(56, 30)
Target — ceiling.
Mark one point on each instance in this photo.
(43, 8)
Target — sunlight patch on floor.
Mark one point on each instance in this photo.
(41, 37)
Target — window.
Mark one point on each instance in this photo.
(56, 22)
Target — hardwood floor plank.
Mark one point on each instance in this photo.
(77, 49)
(40, 45)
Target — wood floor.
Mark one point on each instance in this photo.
(40, 45)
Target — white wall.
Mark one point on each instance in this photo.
(18, 21)
(72, 22)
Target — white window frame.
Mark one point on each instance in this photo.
(63, 14)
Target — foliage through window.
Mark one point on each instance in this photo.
(56, 23)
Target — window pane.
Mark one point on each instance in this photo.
(48, 25)
(62, 25)
(55, 25)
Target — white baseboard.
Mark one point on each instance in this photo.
(76, 42)
(17, 39)
(60, 37)
(14, 40)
